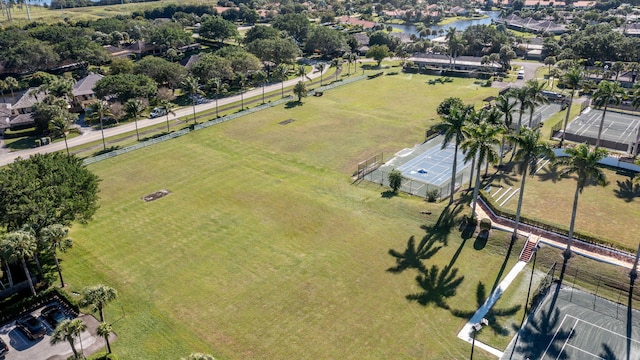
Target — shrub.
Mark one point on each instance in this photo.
(485, 224)
(432, 195)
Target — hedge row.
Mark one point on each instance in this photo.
(12, 310)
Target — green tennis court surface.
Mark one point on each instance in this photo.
(576, 325)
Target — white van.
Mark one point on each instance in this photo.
(520, 74)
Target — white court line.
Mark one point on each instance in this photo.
(567, 340)
(554, 337)
(497, 192)
(509, 197)
(605, 329)
(506, 192)
(542, 166)
(586, 352)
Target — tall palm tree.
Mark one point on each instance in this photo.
(282, 72)
(7, 258)
(133, 108)
(321, 66)
(453, 126)
(166, 107)
(12, 84)
(455, 44)
(607, 93)
(522, 95)
(97, 297)
(302, 72)
(242, 81)
(536, 97)
(584, 163)
(68, 330)
(530, 149)
(191, 85)
(260, 77)
(104, 330)
(506, 107)
(57, 237)
(98, 111)
(572, 79)
(21, 245)
(336, 63)
(482, 140)
(61, 125)
(220, 86)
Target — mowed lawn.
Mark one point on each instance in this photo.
(610, 213)
(265, 249)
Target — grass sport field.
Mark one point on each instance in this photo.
(572, 324)
(264, 249)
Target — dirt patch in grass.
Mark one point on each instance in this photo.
(285, 122)
(156, 195)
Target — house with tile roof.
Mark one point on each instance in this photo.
(19, 114)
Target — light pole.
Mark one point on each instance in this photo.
(526, 303)
(477, 327)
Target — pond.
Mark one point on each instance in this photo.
(460, 25)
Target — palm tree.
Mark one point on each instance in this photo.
(133, 108)
(97, 297)
(100, 110)
(571, 79)
(321, 66)
(455, 44)
(242, 81)
(282, 72)
(453, 126)
(21, 245)
(522, 94)
(607, 92)
(166, 107)
(536, 97)
(584, 163)
(3, 87)
(61, 125)
(7, 258)
(191, 85)
(260, 77)
(302, 72)
(481, 141)
(68, 330)
(220, 86)
(57, 237)
(506, 107)
(104, 329)
(530, 149)
(336, 63)
(12, 84)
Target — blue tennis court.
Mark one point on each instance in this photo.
(433, 166)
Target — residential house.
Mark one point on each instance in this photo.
(20, 113)
(83, 93)
(350, 20)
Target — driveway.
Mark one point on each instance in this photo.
(23, 348)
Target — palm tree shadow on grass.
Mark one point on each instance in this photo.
(492, 315)
(505, 177)
(437, 285)
(540, 331)
(549, 173)
(627, 190)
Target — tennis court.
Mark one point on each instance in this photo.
(433, 166)
(619, 131)
(579, 326)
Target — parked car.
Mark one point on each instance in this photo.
(520, 74)
(31, 326)
(553, 96)
(53, 314)
(157, 112)
(4, 349)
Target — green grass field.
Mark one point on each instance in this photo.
(264, 248)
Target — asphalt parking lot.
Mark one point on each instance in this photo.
(23, 348)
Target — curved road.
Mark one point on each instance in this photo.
(90, 135)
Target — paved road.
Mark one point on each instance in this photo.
(91, 135)
(529, 72)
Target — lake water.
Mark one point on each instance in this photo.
(460, 25)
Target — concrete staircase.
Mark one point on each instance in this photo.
(527, 251)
